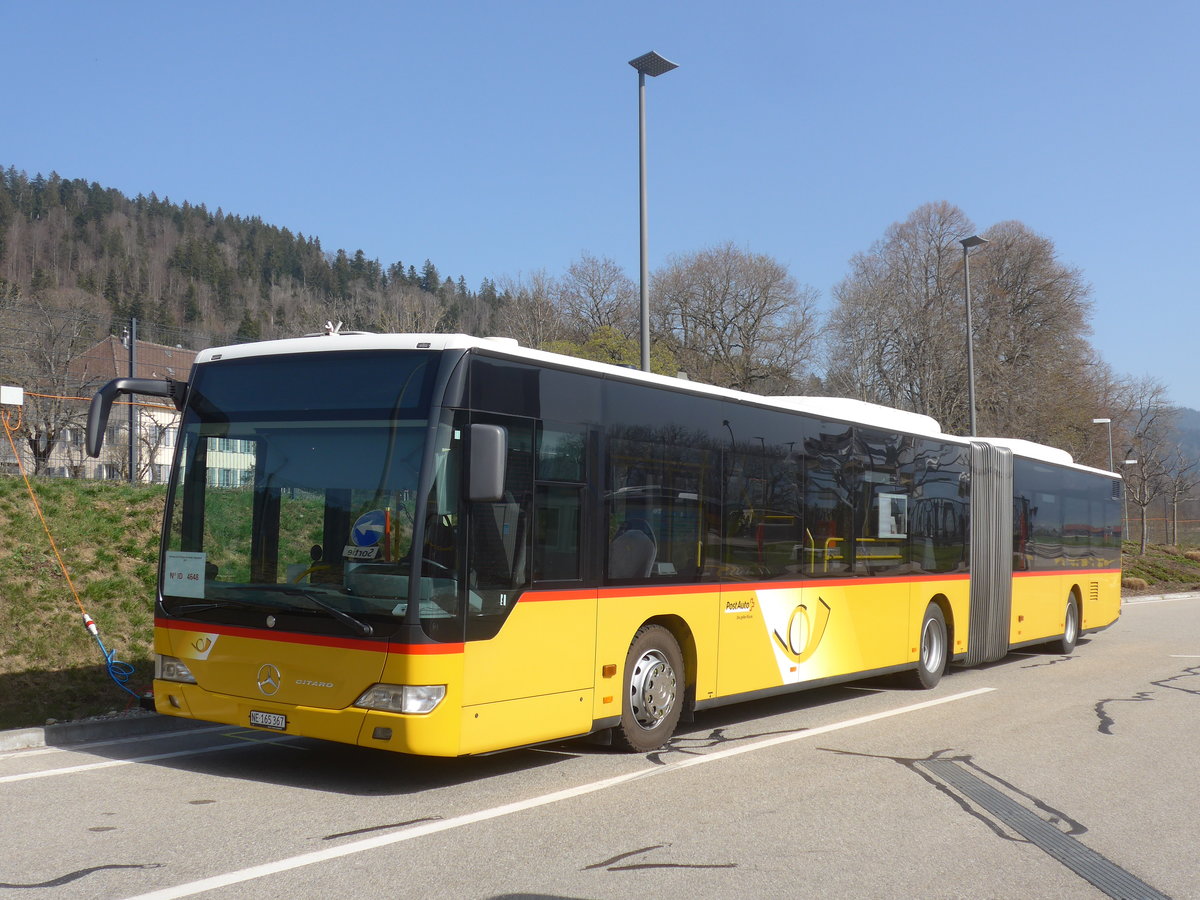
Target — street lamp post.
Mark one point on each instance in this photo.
(967, 244)
(653, 65)
(1107, 422)
(1125, 495)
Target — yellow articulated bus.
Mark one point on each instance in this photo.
(444, 545)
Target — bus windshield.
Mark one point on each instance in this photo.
(294, 499)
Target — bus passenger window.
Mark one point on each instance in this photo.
(558, 506)
(556, 544)
(654, 507)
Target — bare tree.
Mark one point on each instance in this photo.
(413, 311)
(530, 311)
(897, 334)
(1150, 445)
(595, 294)
(1037, 375)
(1182, 477)
(50, 332)
(735, 319)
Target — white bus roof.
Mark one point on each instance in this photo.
(846, 409)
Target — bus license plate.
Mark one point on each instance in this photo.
(268, 720)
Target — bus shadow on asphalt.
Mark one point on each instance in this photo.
(251, 755)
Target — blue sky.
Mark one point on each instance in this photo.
(501, 138)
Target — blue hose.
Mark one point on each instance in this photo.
(120, 672)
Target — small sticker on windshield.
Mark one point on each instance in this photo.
(183, 574)
(352, 552)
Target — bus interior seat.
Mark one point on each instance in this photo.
(632, 552)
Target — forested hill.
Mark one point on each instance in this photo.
(1187, 431)
(71, 244)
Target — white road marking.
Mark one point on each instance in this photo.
(427, 828)
(112, 763)
(135, 739)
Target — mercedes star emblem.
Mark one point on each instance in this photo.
(268, 679)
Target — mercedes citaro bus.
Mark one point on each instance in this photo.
(445, 545)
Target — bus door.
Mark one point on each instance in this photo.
(529, 654)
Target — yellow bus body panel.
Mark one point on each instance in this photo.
(526, 720)
(545, 646)
(533, 681)
(621, 612)
(556, 667)
(261, 665)
(430, 734)
(1039, 602)
(773, 636)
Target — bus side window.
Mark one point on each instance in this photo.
(558, 502)
(556, 545)
(654, 502)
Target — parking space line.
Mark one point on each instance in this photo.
(112, 763)
(90, 745)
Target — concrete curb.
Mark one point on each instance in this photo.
(66, 734)
(1159, 598)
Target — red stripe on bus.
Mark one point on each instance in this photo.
(1048, 573)
(426, 649)
(311, 640)
(665, 590)
(545, 596)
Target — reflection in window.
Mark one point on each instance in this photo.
(658, 490)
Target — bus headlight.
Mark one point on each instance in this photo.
(168, 668)
(412, 699)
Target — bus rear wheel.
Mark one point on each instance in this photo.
(1066, 644)
(933, 649)
(654, 688)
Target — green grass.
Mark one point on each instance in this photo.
(1164, 569)
(107, 534)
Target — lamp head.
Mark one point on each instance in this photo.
(652, 64)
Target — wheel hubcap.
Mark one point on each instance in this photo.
(932, 648)
(651, 689)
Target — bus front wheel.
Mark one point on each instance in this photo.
(654, 688)
(933, 649)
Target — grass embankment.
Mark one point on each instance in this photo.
(107, 533)
(1163, 570)
(51, 668)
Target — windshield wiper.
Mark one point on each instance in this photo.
(340, 614)
(185, 609)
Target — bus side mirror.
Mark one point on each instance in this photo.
(489, 450)
(103, 401)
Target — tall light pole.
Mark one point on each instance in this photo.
(1107, 422)
(653, 65)
(967, 244)
(1129, 461)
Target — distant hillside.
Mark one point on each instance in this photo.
(1187, 430)
(71, 244)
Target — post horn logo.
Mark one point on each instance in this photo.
(268, 679)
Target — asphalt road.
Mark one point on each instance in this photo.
(1038, 776)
